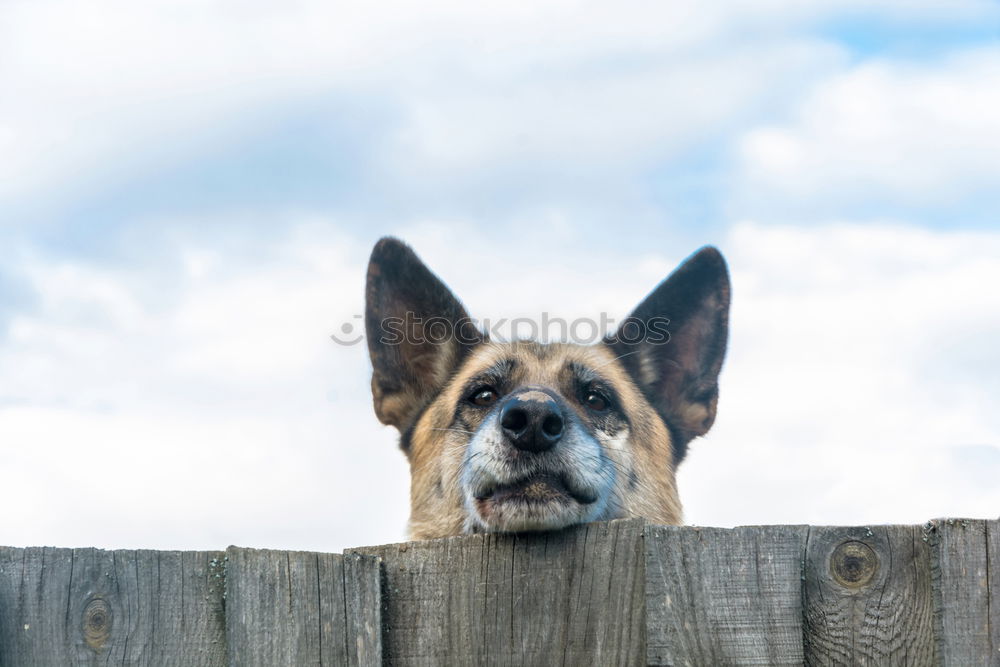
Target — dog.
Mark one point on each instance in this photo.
(523, 436)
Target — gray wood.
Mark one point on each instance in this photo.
(993, 572)
(574, 597)
(90, 607)
(867, 597)
(719, 596)
(618, 593)
(964, 560)
(300, 608)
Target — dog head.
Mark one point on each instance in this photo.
(523, 436)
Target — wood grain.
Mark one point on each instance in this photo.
(302, 608)
(573, 597)
(719, 596)
(964, 562)
(90, 607)
(867, 597)
(617, 593)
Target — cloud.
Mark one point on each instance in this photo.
(591, 122)
(179, 383)
(102, 90)
(859, 374)
(886, 132)
(218, 411)
(198, 402)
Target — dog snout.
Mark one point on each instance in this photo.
(533, 421)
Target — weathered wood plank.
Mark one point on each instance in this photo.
(608, 593)
(90, 607)
(965, 564)
(574, 597)
(867, 597)
(993, 572)
(719, 596)
(300, 608)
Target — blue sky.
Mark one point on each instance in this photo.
(189, 192)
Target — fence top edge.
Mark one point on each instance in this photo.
(370, 550)
(123, 552)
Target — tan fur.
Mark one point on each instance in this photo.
(644, 486)
(525, 437)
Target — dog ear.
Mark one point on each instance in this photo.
(417, 332)
(674, 342)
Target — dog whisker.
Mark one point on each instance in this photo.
(620, 356)
(456, 430)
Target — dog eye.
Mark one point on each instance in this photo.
(596, 402)
(484, 396)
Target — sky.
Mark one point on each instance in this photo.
(189, 190)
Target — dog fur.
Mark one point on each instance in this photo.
(621, 412)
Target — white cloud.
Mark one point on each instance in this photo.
(841, 390)
(859, 384)
(218, 412)
(594, 120)
(899, 132)
(99, 89)
(198, 401)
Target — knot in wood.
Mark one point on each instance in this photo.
(853, 564)
(96, 623)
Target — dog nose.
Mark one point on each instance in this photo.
(533, 422)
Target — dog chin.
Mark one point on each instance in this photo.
(531, 505)
(502, 518)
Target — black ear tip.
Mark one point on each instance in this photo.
(389, 248)
(707, 259)
(709, 254)
(392, 257)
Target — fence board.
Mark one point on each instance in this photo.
(301, 608)
(90, 607)
(993, 572)
(719, 596)
(617, 593)
(964, 561)
(569, 598)
(868, 597)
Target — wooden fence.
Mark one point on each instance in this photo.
(618, 593)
